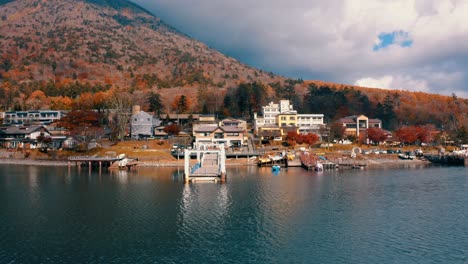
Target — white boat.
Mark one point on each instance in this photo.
(318, 166)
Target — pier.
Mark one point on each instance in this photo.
(210, 165)
(92, 161)
(107, 161)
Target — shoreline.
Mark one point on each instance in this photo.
(370, 163)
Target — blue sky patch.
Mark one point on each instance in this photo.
(400, 38)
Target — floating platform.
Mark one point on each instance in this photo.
(210, 165)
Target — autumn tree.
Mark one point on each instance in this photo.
(82, 122)
(376, 134)
(413, 134)
(172, 130)
(84, 101)
(37, 100)
(61, 103)
(293, 137)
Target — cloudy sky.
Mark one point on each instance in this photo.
(419, 45)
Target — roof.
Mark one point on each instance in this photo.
(205, 129)
(21, 130)
(269, 127)
(352, 119)
(231, 129)
(270, 133)
(292, 112)
(180, 116)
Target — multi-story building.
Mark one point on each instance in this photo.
(43, 117)
(283, 114)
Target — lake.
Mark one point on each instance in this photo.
(414, 214)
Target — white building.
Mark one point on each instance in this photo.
(33, 116)
(305, 122)
(309, 122)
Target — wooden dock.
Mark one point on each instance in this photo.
(210, 165)
(120, 162)
(312, 162)
(92, 161)
(295, 162)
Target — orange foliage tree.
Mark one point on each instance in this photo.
(61, 103)
(293, 137)
(413, 134)
(37, 100)
(376, 134)
(173, 129)
(81, 122)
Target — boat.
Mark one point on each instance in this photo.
(318, 166)
(276, 168)
(408, 155)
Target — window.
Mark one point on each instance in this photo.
(292, 118)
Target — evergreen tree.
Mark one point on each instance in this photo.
(182, 106)
(389, 117)
(155, 103)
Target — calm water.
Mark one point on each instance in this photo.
(411, 215)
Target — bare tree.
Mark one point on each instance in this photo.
(119, 117)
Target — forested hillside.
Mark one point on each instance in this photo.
(57, 46)
(72, 54)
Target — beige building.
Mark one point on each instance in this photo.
(215, 135)
(358, 124)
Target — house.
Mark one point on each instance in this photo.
(23, 136)
(215, 135)
(358, 124)
(72, 142)
(142, 124)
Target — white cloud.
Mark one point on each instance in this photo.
(394, 82)
(331, 40)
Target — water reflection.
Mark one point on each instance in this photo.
(57, 215)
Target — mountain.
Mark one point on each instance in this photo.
(112, 43)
